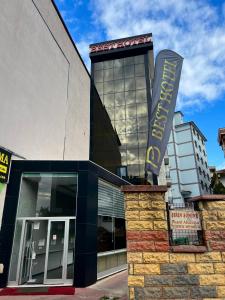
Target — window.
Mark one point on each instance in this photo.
(197, 156)
(202, 185)
(203, 173)
(194, 131)
(201, 160)
(204, 153)
(208, 177)
(206, 164)
(200, 149)
(200, 170)
(196, 145)
(206, 187)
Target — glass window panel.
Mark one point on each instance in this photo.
(108, 87)
(110, 112)
(140, 70)
(141, 96)
(132, 139)
(119, 99)
(129, 84)
(108, 74)
(132, 156)
(118, 62)
(139, 59)
(98, 76)
(120, 126)
(98, 66)
(124, 157)
(142, 110)
(130, 97)
(107, 64)
(71, 250)
(47, 194)
(129, 71)
(142, 155)
(120, 234)
(133, 170)
(143, 139)
(131, 125)
(119, 86)
(118, 73)
(120, 113)
(99, 87)
(142, 124)
(140, 83)
(109, 100)
(128, 60)
(105, 234)
(131, 111)
(123, 141)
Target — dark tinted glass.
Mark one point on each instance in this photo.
(105, 234)
(120, 234)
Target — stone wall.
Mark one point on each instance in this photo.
(158, 271)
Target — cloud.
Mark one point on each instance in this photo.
(195, 29)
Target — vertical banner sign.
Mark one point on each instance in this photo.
(164, 94)
(5, 159)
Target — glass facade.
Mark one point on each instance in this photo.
(121, 84)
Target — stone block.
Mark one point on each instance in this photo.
(152, 214)
(199, 292)
(221, 291)
(219, 268)
(132, 215)
(139, 225)
(131, 294)
(212, 279)
(176, 292)
(159, 205)
(131, 269)
(218, 205)
(200, 268)
(215, 225)
(134, 257)
(160, 225)
(133, 235)
(139, 293)
(135, 280)
(162, 246)
(208, 257)
(131, 196)
(132, 205)
(156, 257)
(158, 280)
(209, 215)
(182, 257)
(215, 234)
(146, 269)
(221, 215)
(217, 245)
(152, 293)
(175, 269)
(186, 280)
(145, 204)
(140, 246)
(155, 235)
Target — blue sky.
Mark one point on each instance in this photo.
(194, 28)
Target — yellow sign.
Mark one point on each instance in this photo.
(5, 158)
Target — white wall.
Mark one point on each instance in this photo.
(44, 87)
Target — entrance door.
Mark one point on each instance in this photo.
(46, 251)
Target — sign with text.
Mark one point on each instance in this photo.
(185, 220)
(122, 43)
(5, 159)
(164, 94)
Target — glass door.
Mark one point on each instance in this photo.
(57, 251)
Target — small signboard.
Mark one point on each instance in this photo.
(185, 220)
(5, 159)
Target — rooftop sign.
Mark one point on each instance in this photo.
(5, 159)
(122, 43)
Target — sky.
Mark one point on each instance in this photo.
(195, 29)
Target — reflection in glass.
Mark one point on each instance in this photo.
(108, 64)
(142, 125)
(140, 83)
(133, 170)
(120, 126)
(99, 87)
(98, 76)
(129, 71)
(56, 250)
(128, 60)
(142, 155)
(71, 250)
(142, 110)
(118, 73)
(140, 70)
(132, 156)
(119, 86)
(120, 234)
(132, 139)
(110, 112)
(142, 139)
(120, 113)
(119, 99)
(108, 87)
(131, 111)
(105, 234)
(108, 74)
(130, 97)
(109, 100)
(129, 84)
(131, 125)
(141, 96)
(118, 62)
(139, 59)
(98, 66)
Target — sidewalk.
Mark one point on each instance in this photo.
(114, 287)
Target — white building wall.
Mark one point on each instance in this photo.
(44, 85)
